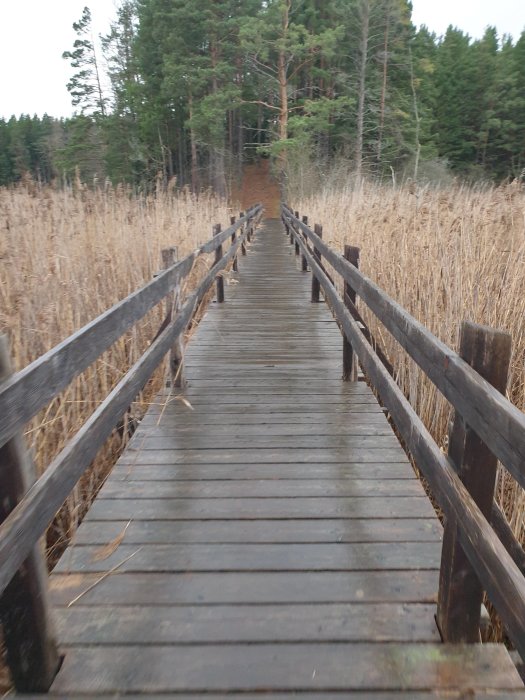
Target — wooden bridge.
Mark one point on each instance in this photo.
(264, 532)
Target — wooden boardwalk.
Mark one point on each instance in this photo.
(272, 537)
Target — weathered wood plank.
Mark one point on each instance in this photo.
(135, 489)
(157, 669)
(258, 557)
(343, 470)
(259, 531)
(268, 456)
(375, 424)
(260, 508)
(244, 588)
(335, 443)
(205, 624)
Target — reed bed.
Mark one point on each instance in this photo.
(445, 255)
(65, 257)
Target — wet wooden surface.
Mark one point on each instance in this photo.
(266, 534)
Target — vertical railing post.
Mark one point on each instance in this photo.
(241, 232)
(304, 262)
(218, 256)
(296, 244)
(460, 596)
(28, 632)
(169, 257)
(235, 265)
(316, 287)
(351, 254)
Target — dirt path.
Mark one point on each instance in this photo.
(258, 185)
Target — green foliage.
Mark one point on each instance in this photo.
(198, 87)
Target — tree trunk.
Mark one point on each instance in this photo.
(416, 115)
(195, 180)
(383, 90)
(217, 152)
(282, 73)
(364, 12)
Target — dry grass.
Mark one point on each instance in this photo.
(445, 255)
(65, 257)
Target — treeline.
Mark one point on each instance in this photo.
(196, 89)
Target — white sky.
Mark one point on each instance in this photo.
(35, 33)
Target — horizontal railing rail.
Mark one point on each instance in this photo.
(483, 409)
(23, 394)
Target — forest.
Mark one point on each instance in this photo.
(191, 91)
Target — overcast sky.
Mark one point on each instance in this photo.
(34, 34)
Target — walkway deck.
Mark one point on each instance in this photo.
(276, 538)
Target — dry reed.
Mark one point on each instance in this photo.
(65, 257)
(445, 255)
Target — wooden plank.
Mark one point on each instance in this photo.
(205, 624)
(268, 456)
(259, 531)
(246, 588)
(257, 557)
(135, 489)
(335, 443)
(171, 472)
(375, 424)
(260, 508)
(162, 669)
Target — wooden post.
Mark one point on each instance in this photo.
(25, 614)
(169, 257)
(487, 351)
(291, 238)
(241, 232)
(218, 256)
(304, 262)
(316, 287)
(235, 266)
(349, 361)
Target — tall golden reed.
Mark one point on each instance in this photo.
(445, 255)
(65, 257)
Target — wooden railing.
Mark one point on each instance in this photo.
(28, 505)
(480, 552)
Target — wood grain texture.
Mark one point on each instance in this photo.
(285, 667)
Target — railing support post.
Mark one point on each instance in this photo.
(296, 244)
(316, 287)
(351, 254)
(460, 593)
(28, 631)
(304, 262)
(235, 265)
(218, 256)
(169, 257)
(241, 232)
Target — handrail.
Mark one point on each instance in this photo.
(24, 394)
(495, 568)
(496, 420)
(34, 661)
